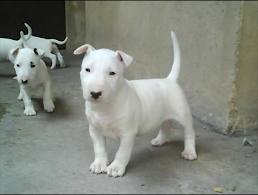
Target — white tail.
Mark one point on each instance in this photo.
(27, 37)
(29, 32)
(174, 73)
(59, 42)
(24, 40)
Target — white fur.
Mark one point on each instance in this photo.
(128, 108)
(47, 45)
(36, 77)
(7, 44)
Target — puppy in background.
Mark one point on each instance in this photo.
(32, 73)
(47, 45)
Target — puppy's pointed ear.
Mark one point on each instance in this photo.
(87, 48)
(13, 54)
(124, 58)
(39, 52)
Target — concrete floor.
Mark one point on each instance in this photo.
(51, 153)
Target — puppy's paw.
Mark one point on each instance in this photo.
(29, 111)
(189, 154)
(62, 65)
(158, 141)
(53, 66)
(49, 106)
(116, 169)
(99, 166)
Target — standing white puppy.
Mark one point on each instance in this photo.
(32, 73)
(47, 45)
(118, 108)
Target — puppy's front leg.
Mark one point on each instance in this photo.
(101, 160)
(118, 166)
(20, 94)
(47, 98)
(29, 108)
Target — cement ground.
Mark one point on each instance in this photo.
(51, 153)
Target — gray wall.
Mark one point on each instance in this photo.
(75, 23)
(244, 111)
(218, 76)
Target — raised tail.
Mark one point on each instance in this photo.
(29, 32)
(23, 39)
(59, 42)
(174, 73)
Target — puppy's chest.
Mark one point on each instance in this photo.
(108, 125)
(35, 86)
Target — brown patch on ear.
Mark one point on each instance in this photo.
(120, 57)
(125, 58)
(36, 51)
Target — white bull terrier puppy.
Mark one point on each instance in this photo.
(32, 73)
(7, 44)
(47, 45)
(118, 108)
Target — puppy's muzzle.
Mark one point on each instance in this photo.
(95, 95)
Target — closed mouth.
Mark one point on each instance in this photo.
(92, 99)
(95, 99)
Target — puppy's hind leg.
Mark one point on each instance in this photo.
(189, 152)
(164, 134)
(53, 59)
(58, 55)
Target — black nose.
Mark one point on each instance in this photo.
(24, 81)
(96, 95)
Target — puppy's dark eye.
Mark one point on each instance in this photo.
(112, 73)
(18, 65)
(87, 69)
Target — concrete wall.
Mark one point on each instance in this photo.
(213, 37)
(244, 111)
(75, 23)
